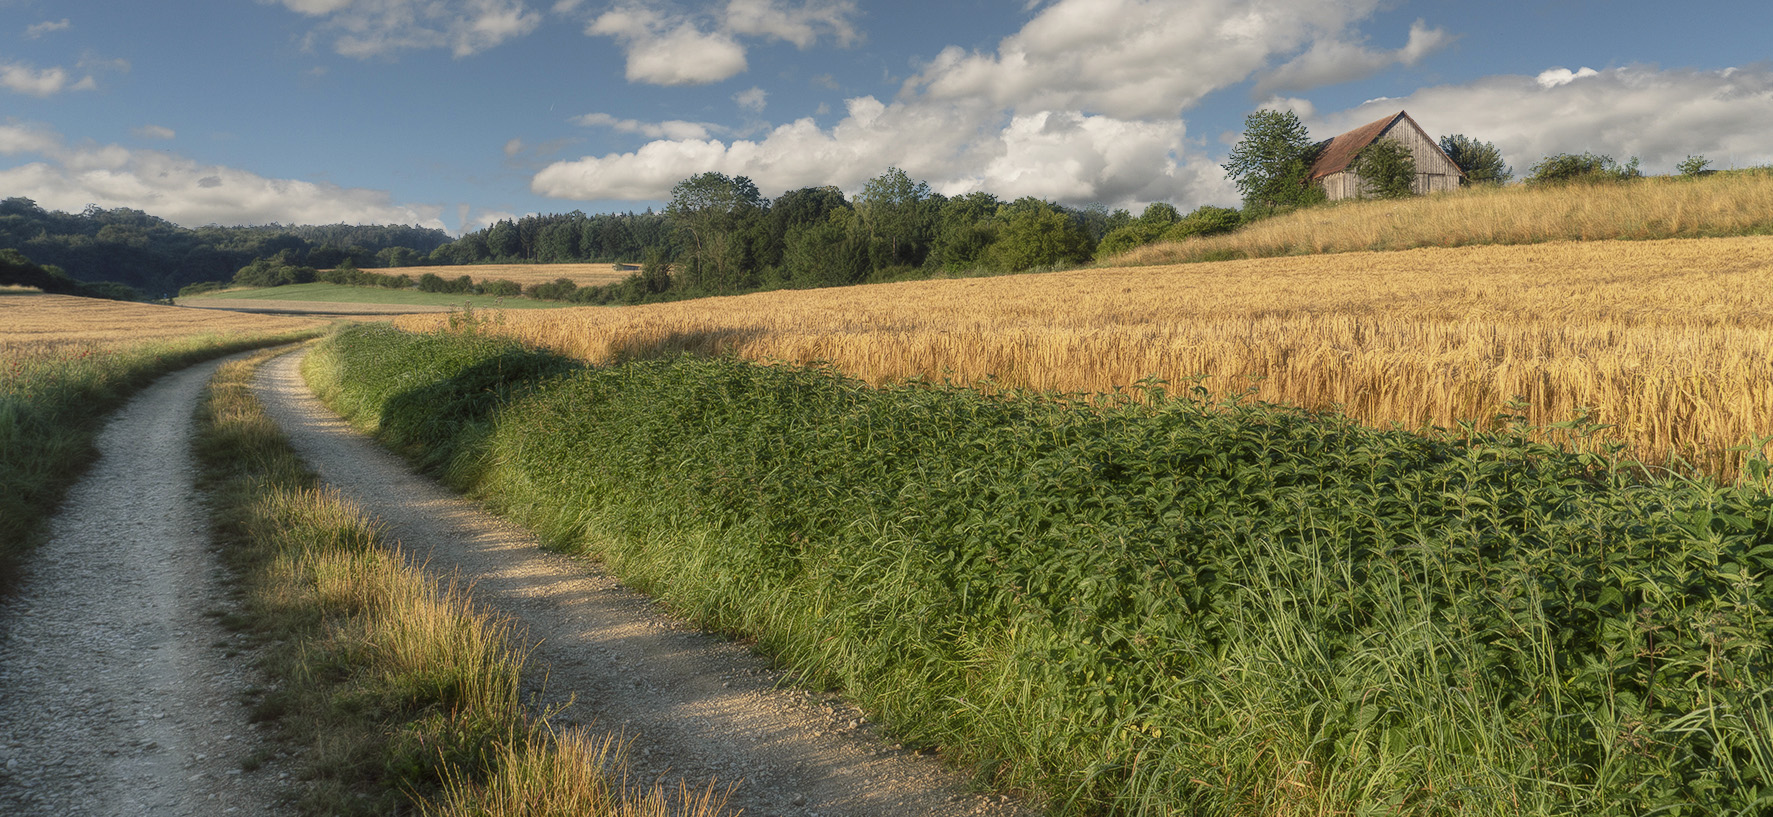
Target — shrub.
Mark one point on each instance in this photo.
(1694, 165)
(1205, 220)
(502, 288)
(1387, 168)
(1585, 168)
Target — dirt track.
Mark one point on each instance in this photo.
(699, 708)
(118, 695)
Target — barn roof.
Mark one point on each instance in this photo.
(1335, 155)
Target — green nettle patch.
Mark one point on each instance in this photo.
(1148, 606)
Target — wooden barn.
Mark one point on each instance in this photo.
(1435, 172)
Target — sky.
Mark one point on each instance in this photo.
(456, 113)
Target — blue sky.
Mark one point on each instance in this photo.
(454, 113)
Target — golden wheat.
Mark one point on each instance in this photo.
(585, 275)
(1670, 342)
(1653, 208)
(57, 320)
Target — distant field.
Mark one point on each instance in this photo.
(1669, 342)
(40, 321)
(584, 275)
(331, 298)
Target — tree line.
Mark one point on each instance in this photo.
(157, 257)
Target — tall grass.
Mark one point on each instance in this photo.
(1723, 204)
(1665, 342)
(1162, 605)
(54, 398)
(402, 692)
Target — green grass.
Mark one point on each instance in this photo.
(1161, 607)
(341, 294)
(401, 693)
(54, 401)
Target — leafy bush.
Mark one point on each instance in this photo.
(1585, 168)
(1694, 166)
(271, 272)
(1387, 169)
(502, 288)
(1204, 220)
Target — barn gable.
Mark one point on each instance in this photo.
(1435, 172)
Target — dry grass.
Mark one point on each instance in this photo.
(1671, 341)
(1652, 208)
(44, 321)
(584, 275)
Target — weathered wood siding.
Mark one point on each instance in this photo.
(1435, 173)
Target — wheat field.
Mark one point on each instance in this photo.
(1669, 342)
(45, 321)
(585, 275)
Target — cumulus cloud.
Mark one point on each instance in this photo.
(1660, 116)
(22, 78)
(68, 177)
(1333, 60)
(669, 129)
(666, 47)
(1132, 59)
(46, 27)
(1553, 77)
(155, 132)
(1068, 156)
(669, 50)
(800, 25)
(370, 28)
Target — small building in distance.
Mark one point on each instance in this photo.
(1435, 172)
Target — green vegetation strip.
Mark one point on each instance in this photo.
(343, 294)
(400, 691)
(54, 401)
(1163, 607)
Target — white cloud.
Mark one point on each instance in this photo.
(1332, 60)
(46, 27)
(664, 50)
(799, 25)
(155, 132)
(669, 129)
(1659, 116)
(752, 99)
(665, 47)
(370, 28)
(1553, 77)
(182, 190)
(22, 78)
(1068, 156)
(1132, 59)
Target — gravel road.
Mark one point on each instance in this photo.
(118, 694)
(698, 708)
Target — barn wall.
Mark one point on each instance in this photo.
(1435, 173)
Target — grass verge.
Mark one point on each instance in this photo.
(401, 694)
(54, 399)
(1165, 606)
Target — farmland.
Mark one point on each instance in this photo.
(339, 299)
(1160, 605)
(1664, 342)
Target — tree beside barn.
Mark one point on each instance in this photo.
(1334, 168)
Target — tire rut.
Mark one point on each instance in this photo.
(698, 709)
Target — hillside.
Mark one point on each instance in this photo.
(1721, 204)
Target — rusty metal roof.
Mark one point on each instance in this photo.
(1335, 155)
